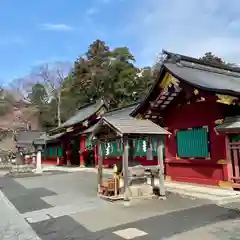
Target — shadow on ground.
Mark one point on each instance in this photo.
(63, 228)
(158, 227)
(24, 200)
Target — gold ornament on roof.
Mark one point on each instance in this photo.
(226, 99)
(196, 92)
(218, 121)
(168, 80)
(101, 112)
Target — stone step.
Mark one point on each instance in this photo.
(216, 195)
(198, 195)
(198, 188)
(202, 189)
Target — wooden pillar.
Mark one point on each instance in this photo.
(160, 145)
(58, 159)
(228, 169)
(100, 163)
(125, 164)
(68, 151)
(131, 150)
(82, 149)
(95, 156)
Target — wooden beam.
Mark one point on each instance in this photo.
(160, 145)
(100, 163)
(131, 150)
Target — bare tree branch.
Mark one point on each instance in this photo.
(53, 76)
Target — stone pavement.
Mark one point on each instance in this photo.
(214, 194)
(229, 229)
(65, 206)
(179, 223)
(131, 223)
(12, 225)
(48, 167)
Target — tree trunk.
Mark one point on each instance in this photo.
(59, 108)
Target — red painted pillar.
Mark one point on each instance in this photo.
(95, 156)
(82, 150)
(168, 156)
(228, 169)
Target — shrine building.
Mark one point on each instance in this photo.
(198, 102)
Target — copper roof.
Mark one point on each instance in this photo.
(121, 112)
(44, 138)
(81, 114)
(27, 137)
(203, 75)
(130, 126)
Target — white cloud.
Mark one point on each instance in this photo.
(190, 27)
(56, 27)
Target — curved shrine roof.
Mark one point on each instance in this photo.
(82, 114)
(198, 73)
(207, 78)
(129, 126)
(25, 138)
(118, 113)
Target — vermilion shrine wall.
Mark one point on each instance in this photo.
(200, 171)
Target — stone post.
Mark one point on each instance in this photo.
(39, 160)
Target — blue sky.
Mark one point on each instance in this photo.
(33, 32)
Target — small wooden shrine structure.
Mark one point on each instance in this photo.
(112, 153)
(126, 130)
